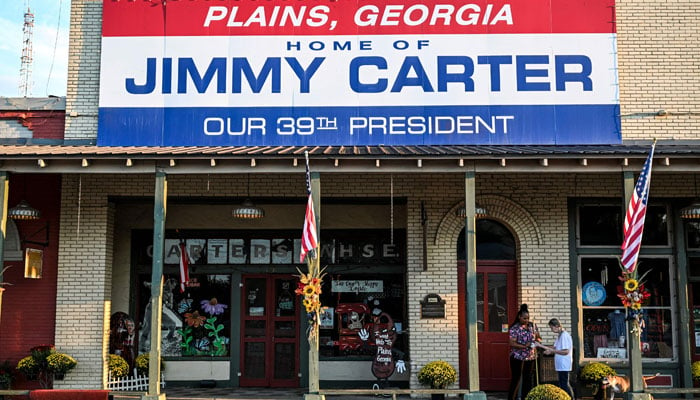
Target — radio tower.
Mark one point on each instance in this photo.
(25, 71)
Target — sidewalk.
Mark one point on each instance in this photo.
(264, 394)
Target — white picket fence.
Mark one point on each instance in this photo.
(136, 382)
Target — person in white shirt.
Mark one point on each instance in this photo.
(563, 352)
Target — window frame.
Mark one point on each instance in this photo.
(613, 251)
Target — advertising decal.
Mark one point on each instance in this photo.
(350, 72)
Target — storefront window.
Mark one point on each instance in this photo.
(194, 323)
(359, 302)
(601, 225)
(693, 235)
(604, 318)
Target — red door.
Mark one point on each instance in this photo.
(269, 331)
(496, 308)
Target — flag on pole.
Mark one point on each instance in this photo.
(636, 212)
(309, 241)
(184, 267)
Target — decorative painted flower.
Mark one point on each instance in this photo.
(194, 319)
(213, 307)
(631, 285)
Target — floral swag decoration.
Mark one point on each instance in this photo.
(633, 295)
(309, 287)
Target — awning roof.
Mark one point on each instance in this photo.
(677, 156)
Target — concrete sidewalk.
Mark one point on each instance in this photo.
(175, 393)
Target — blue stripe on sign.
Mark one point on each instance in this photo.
(322, 126)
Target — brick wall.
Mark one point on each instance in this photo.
(533, 206)
(658, 48)
(657, 56)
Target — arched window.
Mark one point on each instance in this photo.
(493, 242)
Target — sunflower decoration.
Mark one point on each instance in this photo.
(632, 292)
(309, 287)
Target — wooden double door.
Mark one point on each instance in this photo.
(496, 309)
(269, 331)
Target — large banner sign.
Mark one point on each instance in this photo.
(358, 72)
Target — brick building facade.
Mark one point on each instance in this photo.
(540, 194)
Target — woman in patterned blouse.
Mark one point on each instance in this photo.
(523, 335)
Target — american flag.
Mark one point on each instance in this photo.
(634, 220)
(184, 267)
(309, 241)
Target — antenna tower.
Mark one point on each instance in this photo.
(25, 71)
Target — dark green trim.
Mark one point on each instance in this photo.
(683, 325)
(574, 285)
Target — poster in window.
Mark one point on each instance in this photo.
(33, 263)
(326, 321)
(593, 293)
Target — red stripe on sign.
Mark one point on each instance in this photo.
(353, 17)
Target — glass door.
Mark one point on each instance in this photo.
(269, 331)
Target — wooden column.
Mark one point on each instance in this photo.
(635, 353)
(4, 189)
(314, 265)
(159, 214)
(470, 239)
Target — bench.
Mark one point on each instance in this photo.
(392, 392)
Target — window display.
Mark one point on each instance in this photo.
(194, 323)
(604, 317)
(351, 313)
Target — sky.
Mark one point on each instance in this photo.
(50, 45)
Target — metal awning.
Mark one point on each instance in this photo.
(671, 156)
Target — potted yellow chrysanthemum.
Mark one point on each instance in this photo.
(59, 364)
(117, 366)
(438, 375)
(547, 392)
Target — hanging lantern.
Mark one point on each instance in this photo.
(479, 212)
(23, 211)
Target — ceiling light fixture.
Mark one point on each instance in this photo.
(479, 212)
(692, 211)
(23, 211)
(248, 210)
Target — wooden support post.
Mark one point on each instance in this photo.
(4, 189)
(159, 215)
(635, 353)
(314, 267)
(470, 239)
